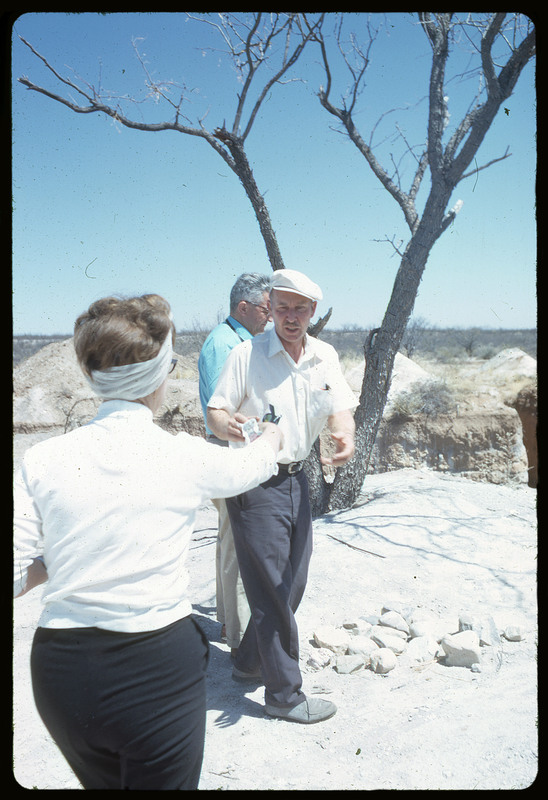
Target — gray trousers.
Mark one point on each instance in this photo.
(272, 528)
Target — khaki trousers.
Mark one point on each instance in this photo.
(232, 606)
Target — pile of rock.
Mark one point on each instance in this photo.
(406, 635)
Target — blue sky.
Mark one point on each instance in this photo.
(100, 209)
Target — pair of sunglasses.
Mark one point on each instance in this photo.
(270, 416)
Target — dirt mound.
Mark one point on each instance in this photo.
(512, 361)
(50, 393)
(484, 440)
(484, 446)
(525, 404)
(405, 373)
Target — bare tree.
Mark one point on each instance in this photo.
(415, 332)
(446, 165)
(468, 339)
(253, 41)
(249, 39)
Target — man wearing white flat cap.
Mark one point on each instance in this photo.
(296, 380)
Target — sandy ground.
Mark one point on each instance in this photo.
(444, 544)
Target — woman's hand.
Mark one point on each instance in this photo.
(272, 434)
(36, 574)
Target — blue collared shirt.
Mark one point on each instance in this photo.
(213, 355)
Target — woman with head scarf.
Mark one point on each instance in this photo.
(118, 661)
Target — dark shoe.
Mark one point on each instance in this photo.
(247, 677)
(313, 709)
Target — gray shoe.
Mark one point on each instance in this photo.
(247, 677)
(313, 709)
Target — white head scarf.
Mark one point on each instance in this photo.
(133, 381)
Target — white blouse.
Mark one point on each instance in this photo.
(111, 506)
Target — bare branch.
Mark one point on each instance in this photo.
(392, 242)
(493, 29)
(497, 92)
(489, 163)
(419, 174)
(286, 65)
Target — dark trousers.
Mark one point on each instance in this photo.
(126, 710)
(272, 529)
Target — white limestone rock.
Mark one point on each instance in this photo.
(392, 619)
(383, 661)
(319, 658)
(485, 628)
(513, 633)
(362, 646)
(462, 649)
(420, 628)
(421, 649)
(335, 639)
(386, 639)
(398, 607)
(383, 630)
(358, 627)
(466, 621)
(488, 632)
(345, 665)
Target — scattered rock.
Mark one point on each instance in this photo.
(513, 633)
(418, 638)
(386, 630)
(392, 619)
(362, 645)
(462, 649)
(383, 661)
(345, 665)
(319, 658)
(389, 641)
(332, 638)
(488, 633)
(486, 629)
(466, 622)
(420, 628)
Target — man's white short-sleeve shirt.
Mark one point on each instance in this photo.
(259, 373)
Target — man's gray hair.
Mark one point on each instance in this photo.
(250, 286)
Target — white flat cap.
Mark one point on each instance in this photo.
(289, 280)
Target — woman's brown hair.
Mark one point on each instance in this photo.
(115, 331)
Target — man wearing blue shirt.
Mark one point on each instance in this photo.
(249, 313)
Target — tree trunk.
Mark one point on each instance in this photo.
(244, 172)
(381, 353)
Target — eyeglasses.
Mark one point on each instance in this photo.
(173, 365)
(264, 309)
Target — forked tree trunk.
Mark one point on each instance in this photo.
(380, 354)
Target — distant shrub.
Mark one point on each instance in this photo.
(430, 398)
(486, 352)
